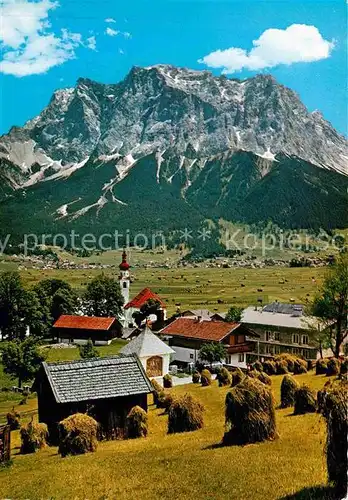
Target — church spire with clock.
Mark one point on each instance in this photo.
(124, 277)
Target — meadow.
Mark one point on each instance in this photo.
(185, 466)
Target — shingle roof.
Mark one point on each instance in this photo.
(143, 297)
(98, 378)
(146, 344)
(203, 330)
(84, 322)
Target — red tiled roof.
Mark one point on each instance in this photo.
(203, 330)
(83, 322)
(143, 297)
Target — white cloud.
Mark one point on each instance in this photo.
(91, 43)
(297, 43)
(110, 20)
(111, 32)
(126, 34)
(28, 44)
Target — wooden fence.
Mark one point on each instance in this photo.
(5, 443)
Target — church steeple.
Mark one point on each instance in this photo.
(124, 277)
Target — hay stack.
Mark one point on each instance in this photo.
(33, 437)
(321, 366)
(205, 378)
(300, 366)
(224, 377)
(185, 415)
(281, 367)
(333, 367)
(269, 367)
(13, 419)
(264, 378)
(167, 381)
(237, 377)
(287, 391)
(196, 377)
(157, 390)
(77, 435)
(321, 396)
(165, 400)
(336, 445)
(257, 366)
(286, 359)
(304, 401)
(250, 413)
(136, 423)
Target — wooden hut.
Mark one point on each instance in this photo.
(78, 329)
(105, 388)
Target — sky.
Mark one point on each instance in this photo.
(49, 44)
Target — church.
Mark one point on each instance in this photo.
(134, 305)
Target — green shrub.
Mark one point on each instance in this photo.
(136, 423)
(257, 366)
(167, 381)
(287, 391)
(321, 366)
(281, 367)
(196, 377)
(335, 413)
(269, 367)
(250, 413)
(33, 437)
(205, 378)
(300, 366)
(333, 367)
(77, 435)
(224, 377)
(237, 377)
(185, 415)
(13, 419)
(304, 401)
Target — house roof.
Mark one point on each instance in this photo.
(97, 378)
(84, 322)
(143, 297)
(146, 344)
(202, 330)
(194, 313)
(265, 317)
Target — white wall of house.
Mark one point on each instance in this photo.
(83, 341)
(237, 360)
(185, 354)
(165, 365)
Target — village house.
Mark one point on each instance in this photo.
(105, 388)
(187, 335)
(78, 329)
(283, 328)
(153, 353)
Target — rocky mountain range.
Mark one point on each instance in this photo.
(168, 147)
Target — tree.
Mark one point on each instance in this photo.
(88, 350)
(56, 296)
(331, 304)
(19, 308)
(103, 297)
(212, 352)
(151, 306)
(22, 360)
(234, 314)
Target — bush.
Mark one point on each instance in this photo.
(77, 435)
(237, 377)
(13, 419)
(205, 378)
(167, 381)
(157, 390)
(250, 413)
(321, 366)
(336, 445)
(224, 377)
(33, 437)
(344, 367)
(287, 391)
(269, 367)
(136, 423)
(300, 366)
(185, 415)
(196, 377)
(304, 401)
(257, 366)
(281, 367)
(333, 367)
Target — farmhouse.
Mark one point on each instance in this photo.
(186, 336)
(153, 353)
(283, 328)
(78, 329)
(106, 388)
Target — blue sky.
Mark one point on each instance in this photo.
(53, 44)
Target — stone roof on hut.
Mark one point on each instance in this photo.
(97, 378)
(147, 344)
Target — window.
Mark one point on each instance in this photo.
(276, 349)
(277, 336)
(124, 284)
(304, 339)
(306, 353)
(269, 349)
(241, 357)
(191, 356)
(296, 350)
(269, 335)
(295, 338)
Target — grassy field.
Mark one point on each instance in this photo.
(181, 466)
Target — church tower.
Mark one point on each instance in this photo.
(124, 277)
